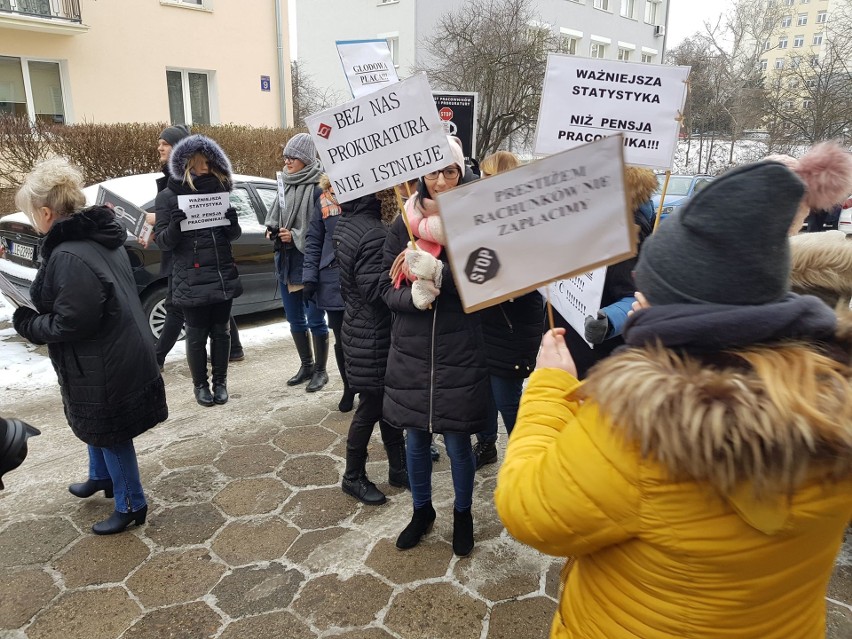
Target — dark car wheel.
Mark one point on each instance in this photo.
(154, 306)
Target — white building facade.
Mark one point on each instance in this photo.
(631, 30)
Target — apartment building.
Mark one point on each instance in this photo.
(183, 61)
(801, 34)
(631, 30)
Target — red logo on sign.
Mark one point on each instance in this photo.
(324, 131)
(446, 114)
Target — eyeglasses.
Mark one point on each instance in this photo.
(450, 173)
(289, 158)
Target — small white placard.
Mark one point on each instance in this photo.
(203, 210)
(577, 297)
(548, 220)
(381, 140)
(586, 99)
(367, 64)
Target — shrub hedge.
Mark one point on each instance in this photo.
(104, 151)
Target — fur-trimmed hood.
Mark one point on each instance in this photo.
(822, 266)
(640, 184)
(716, 421)
(189, 146)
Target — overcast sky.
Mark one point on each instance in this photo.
(688, 16)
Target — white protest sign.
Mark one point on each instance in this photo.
(203, 210)
(381, 140)
(279, 178)
(368, 65)
(585, 99)
(545, 221)
(577, 297)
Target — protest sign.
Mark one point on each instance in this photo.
(381, 140)
(16, 296)
(203, 210)
(457, 111)
(367, 64)
(585, 99)
(577, 297)
(545, 221)
(279, 178)
(130, 216)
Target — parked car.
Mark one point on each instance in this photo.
(680, 189)
(252, 197)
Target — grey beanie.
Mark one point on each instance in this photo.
(174, 134)
(301, 146)
(728, 245)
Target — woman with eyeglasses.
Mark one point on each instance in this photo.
(287, 224)
(436, 379)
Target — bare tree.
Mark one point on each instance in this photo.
(496, 48)
(308, 98)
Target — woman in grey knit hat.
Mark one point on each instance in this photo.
(287, 225)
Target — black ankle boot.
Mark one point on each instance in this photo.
(320, 377)
(117, 522)
(90, 487)
(397, 468)
(203, 395)
(355, 480)
(462, 532)
(485, 453)
(220, 347)
(348, 400)
(420, 524)
(303, 347)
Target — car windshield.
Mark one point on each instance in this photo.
(678, 184)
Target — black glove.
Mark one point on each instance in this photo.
(597, 328)
(178, 216)
(231, 216)
(309, 291)
(22, 320)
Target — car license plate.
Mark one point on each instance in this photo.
(22, 250)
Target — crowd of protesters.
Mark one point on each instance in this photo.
(690, 453)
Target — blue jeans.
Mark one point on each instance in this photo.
(505, 397)
(118, 463)
(462, 466)
(302, 314)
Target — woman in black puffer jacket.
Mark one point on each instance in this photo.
(90, 317)
(359, 239)
(204, 276)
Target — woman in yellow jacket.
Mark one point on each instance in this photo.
(701, 477)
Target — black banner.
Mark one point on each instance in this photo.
(130, 216)
(458, 113)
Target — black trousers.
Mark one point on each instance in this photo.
(335, 323)
(369, 412)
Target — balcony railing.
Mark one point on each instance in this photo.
(64, 10)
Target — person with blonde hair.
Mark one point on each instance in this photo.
(498, 162)
(89, 315)
(204, 277)
(701, 478)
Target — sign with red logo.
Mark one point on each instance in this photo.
(446, 114)
(324, 131)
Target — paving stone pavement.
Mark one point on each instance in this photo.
(249, 535)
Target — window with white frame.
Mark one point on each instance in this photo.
(764, 65)
(814, 61)
(802, 20)
(568, 44)
(189, 96)
(628, 9)
(786, 21)
(624, 54)
(597, 50)
(807, 104)
(795, 61)
(821, 17)
(200, 4)
(32, 88)
(603, 5)
(804, 1)
(652, 9)
(648, 58)
(817, 39)
(789, 3)
(798, 41)
(393, 45)
(779, 63)
(782, 42)
(787, 105)
(767, 45)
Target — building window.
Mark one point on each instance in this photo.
(763, 65)
(647, 58)
(33, 88)
(802, 20)
(782, 42)
(822, 16)
(798, 41)
(603, 5)
(804, 1)
(787, 105)
(814, 61)
(786, 21)
(779, 64)
(624, 54)
(393, 45)
(817, 39)
(789, 3)
(568, 44)
(628, 8)
(795, 62)
(201, 4)
(381, 2)
(598, 50)
(651, 11)
(767, 45)
(189, 96)
(807, 104)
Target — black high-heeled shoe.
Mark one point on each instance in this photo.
(117, 522)
(90, 487)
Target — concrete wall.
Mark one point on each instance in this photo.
(116, 71)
